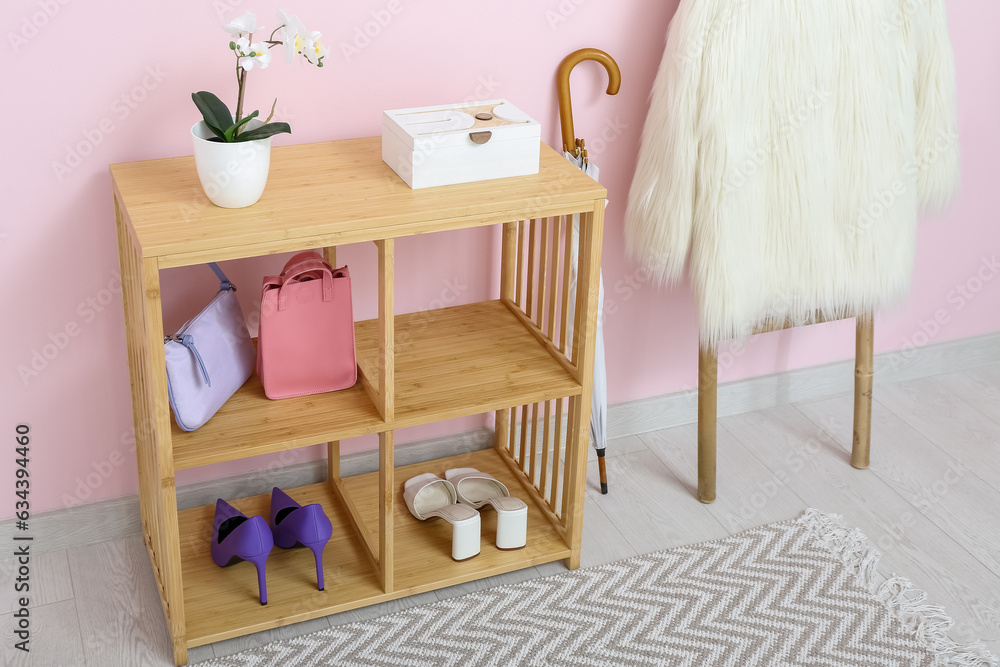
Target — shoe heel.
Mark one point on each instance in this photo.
(512, 529)
(465, 538)
(317, 550)
(261, 564)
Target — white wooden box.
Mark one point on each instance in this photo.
(460, 143)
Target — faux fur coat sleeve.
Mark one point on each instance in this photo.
(787, 150)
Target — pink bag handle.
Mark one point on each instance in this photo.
(300, 269)
(271, 282)
(290, 266)
(300, 258)
(305, 254)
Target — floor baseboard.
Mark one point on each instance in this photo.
(802, 384)
(119, 517)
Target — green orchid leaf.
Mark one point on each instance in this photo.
(232, 130)
(264, 131)
(214, 111)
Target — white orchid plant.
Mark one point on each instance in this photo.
(292, 36)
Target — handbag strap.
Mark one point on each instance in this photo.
(306, 267)
(298, 258)
(309, 258)
(224, 283)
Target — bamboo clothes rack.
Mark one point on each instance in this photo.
(511, 357)
(708, 386)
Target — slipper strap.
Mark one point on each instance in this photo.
(458, 479)
(413, 491)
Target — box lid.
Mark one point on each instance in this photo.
(424, 128)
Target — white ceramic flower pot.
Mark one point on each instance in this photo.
(233, 175)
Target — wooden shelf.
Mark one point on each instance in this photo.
(250, 424)
(327, 194)
(221, 603)
(464, 360)
(423, 548)
(451, 362)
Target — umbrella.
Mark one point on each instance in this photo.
(575, 151)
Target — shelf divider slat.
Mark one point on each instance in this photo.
(357, 522)
(387, 328)
(386, 522)
(333, 446)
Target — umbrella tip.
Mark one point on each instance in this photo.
(603, 471)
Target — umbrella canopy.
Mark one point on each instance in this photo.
(599, 401)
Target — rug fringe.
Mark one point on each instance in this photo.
(929, 623)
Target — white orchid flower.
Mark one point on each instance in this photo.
(253, 55)
(292, 34)
(314, 50)
(241, 25)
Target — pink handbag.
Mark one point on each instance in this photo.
(306, 339)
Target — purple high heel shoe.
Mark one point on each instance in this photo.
(236, 537)
(294, 525)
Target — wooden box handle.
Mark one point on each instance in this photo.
(480, 137)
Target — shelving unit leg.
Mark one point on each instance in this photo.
(164, 495)
(387, 494)
(585, 334)
(151, 417)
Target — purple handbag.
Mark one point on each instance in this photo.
(209, 358)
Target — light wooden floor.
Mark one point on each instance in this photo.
(931, 502)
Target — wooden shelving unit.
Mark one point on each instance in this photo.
(519, 357)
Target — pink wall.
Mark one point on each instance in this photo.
(88, 84)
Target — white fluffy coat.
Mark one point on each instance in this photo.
(789, 145)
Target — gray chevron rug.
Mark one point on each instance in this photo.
(801, 592)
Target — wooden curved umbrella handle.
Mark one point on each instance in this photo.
(562, 87)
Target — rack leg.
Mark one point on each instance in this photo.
(708, 385)
(863, 381)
